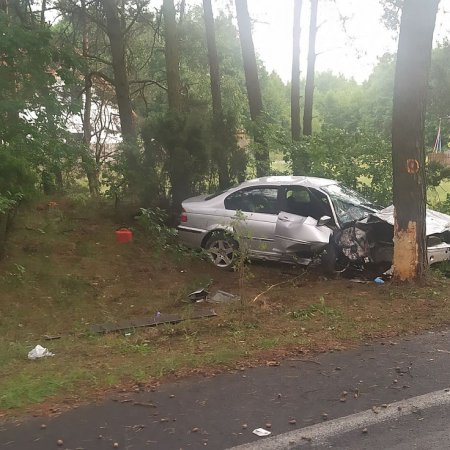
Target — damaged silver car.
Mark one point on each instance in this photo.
(299, 220)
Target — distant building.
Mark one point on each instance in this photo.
(440, 157)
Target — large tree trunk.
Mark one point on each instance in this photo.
(296, 128)
(172, 54)
(43, 10)
(220, 152)
(86, 157)
(4, 6)
(213, 58)
(115, 32)
(262, 156)
(408, 155)
(179, 179)
(309, 86)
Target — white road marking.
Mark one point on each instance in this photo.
(322, 432)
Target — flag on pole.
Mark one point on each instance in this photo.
(438, 143)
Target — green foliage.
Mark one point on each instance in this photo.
(438, 102)
(443, 206)
(296, 155)
(154, 224)
(180, 138)
(315, 310)
(391, 15)
(6, 204)
(339, 101)
(241, 255)
(33, 73)
(436, 173)
(42, 81)
(359, 159)
(16, 174)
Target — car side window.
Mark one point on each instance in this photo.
(306, 202)
(260, 200)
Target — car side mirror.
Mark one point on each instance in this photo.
(324, 220)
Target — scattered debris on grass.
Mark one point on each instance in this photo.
(202, 295)
(222, 297)
(39, 352)
(198, 295)
(158, 319)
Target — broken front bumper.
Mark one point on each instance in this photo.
(438, 253)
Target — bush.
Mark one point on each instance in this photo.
(154, 224)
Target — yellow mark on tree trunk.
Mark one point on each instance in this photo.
(412, 166)
(406, 252)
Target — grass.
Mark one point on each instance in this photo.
(73, 274)
(314, 310)
(437, 195)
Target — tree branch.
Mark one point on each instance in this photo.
(139, 9)
(104, 76)
(148, 83)
(99, 59)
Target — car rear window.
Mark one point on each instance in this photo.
(216, 194)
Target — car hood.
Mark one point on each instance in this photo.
(436, 222)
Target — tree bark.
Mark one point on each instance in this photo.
(43, 10)
(408, 154)
(213, 59)
(296, 128)
(86, 157)
(115, 29)
(115, 32)
(220, 152)
(172, 56)
(182, 11)
(262, 156)
(179, 179)
(309, 86)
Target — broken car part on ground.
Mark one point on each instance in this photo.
(299, 220)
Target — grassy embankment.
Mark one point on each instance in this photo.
(64, 271)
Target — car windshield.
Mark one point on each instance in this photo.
(348, 204)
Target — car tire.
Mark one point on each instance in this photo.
(221, 249)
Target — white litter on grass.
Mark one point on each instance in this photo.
(261, 432)
(39, 352)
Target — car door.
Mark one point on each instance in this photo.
(255, 223)
(297, 229)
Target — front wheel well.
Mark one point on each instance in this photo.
(217, 231)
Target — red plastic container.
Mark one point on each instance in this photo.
(124, 235)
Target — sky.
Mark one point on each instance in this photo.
(352, 49)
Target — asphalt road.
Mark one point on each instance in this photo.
(335, 391)
(423, 430)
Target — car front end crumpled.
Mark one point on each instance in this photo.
(370, 240)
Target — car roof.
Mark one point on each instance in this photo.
(289, 180)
